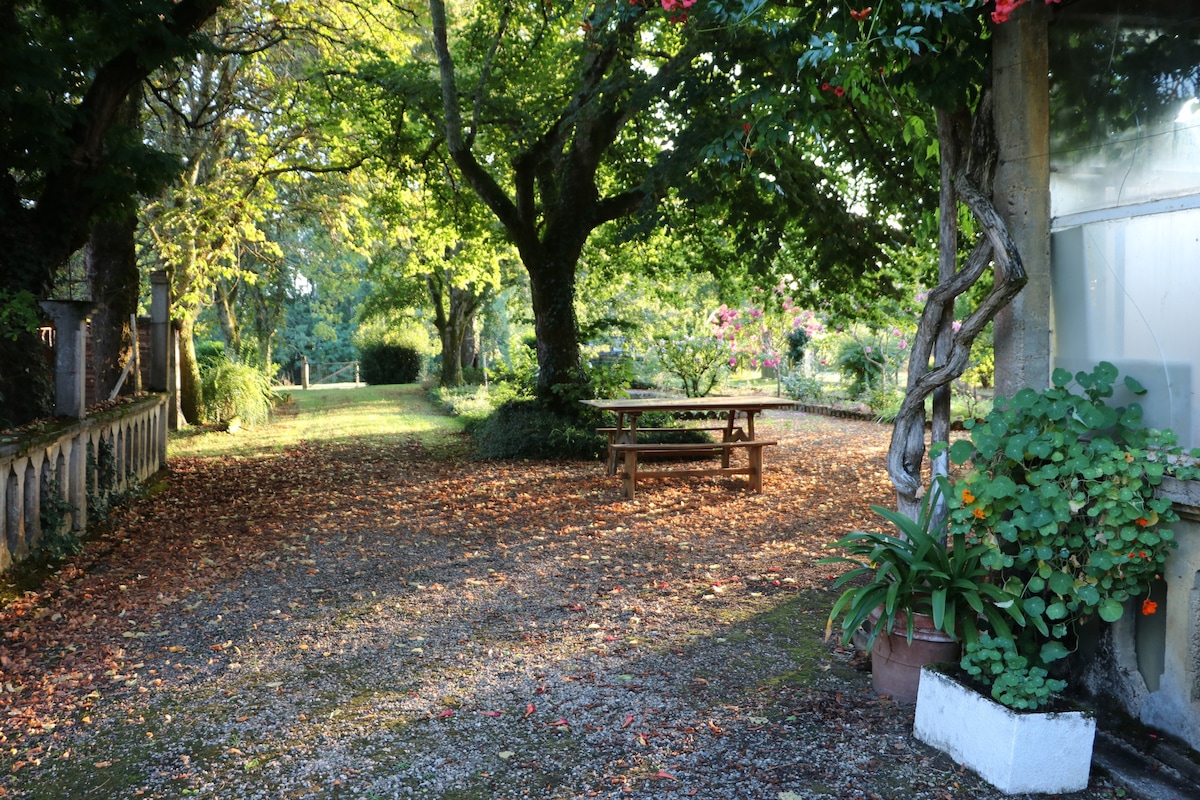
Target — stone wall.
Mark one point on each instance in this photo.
(60, 469)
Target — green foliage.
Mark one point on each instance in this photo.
(982, 371)
(210, 352)
(884, 401)
(611, 378)
(1014, 682)
(18, 312)
(699, 362)
(862, 365)
(1061, 490)
(235, 391)
(797, 343)
(527, 429)
(915, 572)
(58, 538)
(387, 363)
(809, 389)
(521, 372)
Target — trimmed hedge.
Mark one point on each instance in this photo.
(389, 363)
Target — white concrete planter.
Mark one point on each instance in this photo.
(1015, 752)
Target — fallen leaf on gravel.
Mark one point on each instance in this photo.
(663, 775)
(491, 713)
(449, 712)
(529, 709)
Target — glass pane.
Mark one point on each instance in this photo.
(1125, 112)
(1125, 291)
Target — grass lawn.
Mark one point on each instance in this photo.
(364, 414)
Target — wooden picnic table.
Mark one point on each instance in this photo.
(624, 446)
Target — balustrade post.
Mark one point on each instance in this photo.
(70, 354)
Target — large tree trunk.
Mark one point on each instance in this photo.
(454, 311)
(555, 201)
(111, 257)
(468, 353)
(225, 293)
(552, 286)
(190, 393)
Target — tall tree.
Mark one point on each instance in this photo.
(254, 122)
(563, 110)
(68, 69)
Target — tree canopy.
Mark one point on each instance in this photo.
(64, 159)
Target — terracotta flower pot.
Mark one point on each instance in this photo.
(896, 663)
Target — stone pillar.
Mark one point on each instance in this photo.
(1020, 76)
(70, 354)
(160, 330)
(303, 372)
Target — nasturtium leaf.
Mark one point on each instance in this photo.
(1034, 606)
(1111, 610)
(1062, 583)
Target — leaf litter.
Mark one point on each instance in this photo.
(381, 621)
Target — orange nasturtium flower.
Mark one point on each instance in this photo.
(968, 498)
(1149, 607)
(1142, 521)
(978, 513)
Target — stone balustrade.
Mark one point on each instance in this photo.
(51, 475)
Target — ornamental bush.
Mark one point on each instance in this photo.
(389, 363)
(235, 391)
(698, 362)
(1062, 487)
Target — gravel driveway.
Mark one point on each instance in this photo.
(383, 621)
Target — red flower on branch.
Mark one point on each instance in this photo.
(859, 16)
(1005, 8)
(1149, 607)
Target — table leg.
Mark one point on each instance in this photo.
(756, 468)
(629, 474)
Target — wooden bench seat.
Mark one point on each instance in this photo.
(626, 454)
(612, 434)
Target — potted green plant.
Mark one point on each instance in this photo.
(921, 596)
(1060, 490)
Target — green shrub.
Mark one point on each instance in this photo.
(611, 378)
(233, 391)
(802, 387)
(797, 341)
(861, 365)
(382, 363)
(58, 539)
(699, 362)
(526, 429)
(209, 352)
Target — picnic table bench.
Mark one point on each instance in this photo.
(627, 454)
